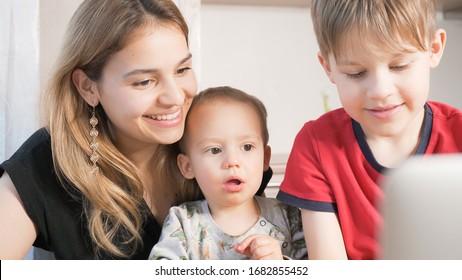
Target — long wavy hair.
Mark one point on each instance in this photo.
(113, 198)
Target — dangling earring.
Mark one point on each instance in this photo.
(94, 157)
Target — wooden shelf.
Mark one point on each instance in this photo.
(452, 9)
(449, 5)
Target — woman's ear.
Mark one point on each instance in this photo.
(184, 164)
(437, 47)
(86, 87)
(325, 64)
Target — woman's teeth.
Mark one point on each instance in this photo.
(165, 117)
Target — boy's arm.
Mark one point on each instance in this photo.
(299, 251)
(323, 236)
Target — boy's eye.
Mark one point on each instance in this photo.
(356, 75)
(398, 67)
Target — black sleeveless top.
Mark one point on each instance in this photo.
(57, 215)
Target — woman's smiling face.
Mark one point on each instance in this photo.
(147, 87)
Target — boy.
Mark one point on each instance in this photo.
(379, 54)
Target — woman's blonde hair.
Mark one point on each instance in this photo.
(394, 23)
(188, 187)
(113, 199)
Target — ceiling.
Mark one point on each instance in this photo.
(450, 8)
(290, 3)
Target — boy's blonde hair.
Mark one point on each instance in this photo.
(395, 24)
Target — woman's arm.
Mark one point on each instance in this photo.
(323, 236)
(17, 231)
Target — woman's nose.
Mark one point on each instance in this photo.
(172, 93)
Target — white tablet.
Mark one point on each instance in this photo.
(422, 209)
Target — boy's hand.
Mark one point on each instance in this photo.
(260, 247)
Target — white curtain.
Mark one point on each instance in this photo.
(19, 75)
(20, 64)
(191, 11)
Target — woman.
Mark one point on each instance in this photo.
(87, 185)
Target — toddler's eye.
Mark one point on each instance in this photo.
(248, 147)
(214, 150)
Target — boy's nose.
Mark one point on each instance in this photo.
(380, 85)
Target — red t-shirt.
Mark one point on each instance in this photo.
(331, 168)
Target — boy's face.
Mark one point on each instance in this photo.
(224, 152)
(385, 91)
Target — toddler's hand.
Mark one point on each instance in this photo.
(260, 247)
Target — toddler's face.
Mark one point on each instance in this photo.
(225, 152)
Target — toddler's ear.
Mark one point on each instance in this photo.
(184, 164)
(437, 47)
(267, 158)
(325, 64)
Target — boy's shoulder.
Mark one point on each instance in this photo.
(334, 118)
(333, 124)
(335, 115)
(444, 110)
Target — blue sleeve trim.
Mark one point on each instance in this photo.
(306, 204)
